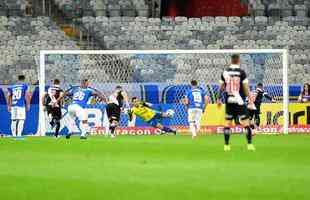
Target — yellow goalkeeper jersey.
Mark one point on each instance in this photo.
(144, 112)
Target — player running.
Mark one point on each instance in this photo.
(234, 85)
(18, 103)
(77, 108)
(146, 113)
(196, 101)
(52, 102)
(117, 102)
(255, 102)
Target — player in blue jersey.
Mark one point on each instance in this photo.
(196, 100)
(77, 108)
(18, 102)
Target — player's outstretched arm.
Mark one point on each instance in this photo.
(9, 101)
(267, 96)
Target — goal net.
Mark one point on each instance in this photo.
(162, 78)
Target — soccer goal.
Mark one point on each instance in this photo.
(162, 78)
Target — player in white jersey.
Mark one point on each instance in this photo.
(18, 103)
(77, 108)
(117, 102)
(196, 100)
(235, 87)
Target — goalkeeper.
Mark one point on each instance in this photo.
(144, 111)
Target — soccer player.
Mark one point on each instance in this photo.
(52, 102)
(18, 103)
(146, 113)
(254, 105)
(234, 86)
(196, 101)
(117, 102)
(77, 108)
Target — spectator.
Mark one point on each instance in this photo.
(304, 96)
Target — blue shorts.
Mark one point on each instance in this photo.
(155, 120)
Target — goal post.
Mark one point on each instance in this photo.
(116, 60)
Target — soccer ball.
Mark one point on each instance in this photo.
(170, 113)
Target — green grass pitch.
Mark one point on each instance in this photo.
(155, 167)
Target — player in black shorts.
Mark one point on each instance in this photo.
(117, 102)
(254, 104)
(235, 89)
(52, 102)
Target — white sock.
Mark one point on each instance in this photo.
(198, 126)
(20, 127)
(193, 129)
(13, 127)
(84, 129)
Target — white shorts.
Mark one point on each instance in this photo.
(194, 115)
(18, 113)
(76, 111)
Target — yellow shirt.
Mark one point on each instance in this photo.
(144, 112)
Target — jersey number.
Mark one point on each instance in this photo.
(232, 84)
(79, 96)
(17, 94)
(197, 97)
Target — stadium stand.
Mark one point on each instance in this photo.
(112, 8)
(21, 40)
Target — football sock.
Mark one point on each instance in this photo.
(193, 128)
(84, 128)
(20, 127)
(252, 126)
(112, 129)
(57, 128)
(167, 129)
(14, 127)
(249, 134)
(226, 135)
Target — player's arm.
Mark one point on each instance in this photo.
(10, 99)
(221, 91)
(126, 101)
(43, 100)
(28, 100)
(206, 102)
(267, 96)
(149, 105)
(100, 95)
(245, 84)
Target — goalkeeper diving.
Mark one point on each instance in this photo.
(144, 111)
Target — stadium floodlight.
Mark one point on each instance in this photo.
(108, 64)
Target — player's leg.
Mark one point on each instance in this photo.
(245, 122)
(252, 118)
(191, 121)
(14, 127)
(113, 112)
(72, 111)
(198, 119)
(257, 117)
(229, 116)
(155, 122)
(21, 116)
(165, 129)
(56, 120)
(83, 117)
(14, 121)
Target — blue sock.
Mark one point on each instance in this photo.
(167, 129)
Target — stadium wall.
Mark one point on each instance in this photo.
(164, 97)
